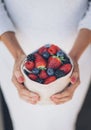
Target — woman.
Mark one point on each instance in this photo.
(24, 26)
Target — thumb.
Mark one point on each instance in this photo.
(74, 77)
(19, 76)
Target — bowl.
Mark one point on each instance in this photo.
(47, 74)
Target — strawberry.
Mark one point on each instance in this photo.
(58, 49)
(42, 50)
(53, 49)
(49, 79)
(54, 62)
(29, 65)
(43, 74)
(66, 68)
(39, 61)
(32, 76)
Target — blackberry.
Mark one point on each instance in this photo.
(50, 71)
(40, 80)
(31, 57)
(59, 73)
(35, 71)
(65, 60)
(26, 72)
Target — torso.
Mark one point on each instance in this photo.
(40, 22)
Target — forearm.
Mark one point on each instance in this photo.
(82, 41)
(12, 44)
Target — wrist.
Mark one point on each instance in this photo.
(74, 56)
(19, 53)
(80, 44)
(10, 41)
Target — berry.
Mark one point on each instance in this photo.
(40, 80)
(45, 55)
(26, 72)
(54, 62)
(39, 61)
(47, 45)
(59, 73)
(32, 76)
(60, 53)
(31, 57)
(49, 79)
(42, 49)
(29, 65)
(35, 71)
(66, 68)
(53, 49)
(65, 60)
(50, 71)
(43, 74)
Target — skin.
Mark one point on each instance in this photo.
(82, 41)
(18, 54)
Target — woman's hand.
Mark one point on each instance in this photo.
(10, 41)
(81, 43)
(18, 80)
(68, 92)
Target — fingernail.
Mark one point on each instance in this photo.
(53, 97)
(21, 79)
(73, 79)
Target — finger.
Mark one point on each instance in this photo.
(60, 95)
(19, 75)
(31, 95)
(17, 71)
(17, 68)
(29, 100)
(60, 101)
(75, 75)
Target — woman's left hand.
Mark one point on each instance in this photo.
(68, 92)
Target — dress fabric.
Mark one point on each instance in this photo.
(37, 23)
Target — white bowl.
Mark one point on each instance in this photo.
(47, 90)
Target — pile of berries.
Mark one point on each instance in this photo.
(47, 64)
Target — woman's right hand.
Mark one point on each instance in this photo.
(18, 81)
(10, 41)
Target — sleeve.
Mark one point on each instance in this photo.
(5, 21)
(86, 21)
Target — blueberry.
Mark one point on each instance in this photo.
(35, 71)
(47, 45)
(26, 72)
(59, 73)
(40, 80)
(31, 57)
(50, 71)
(46, 55)
(60, 53)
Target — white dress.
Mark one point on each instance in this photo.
(38, 22)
